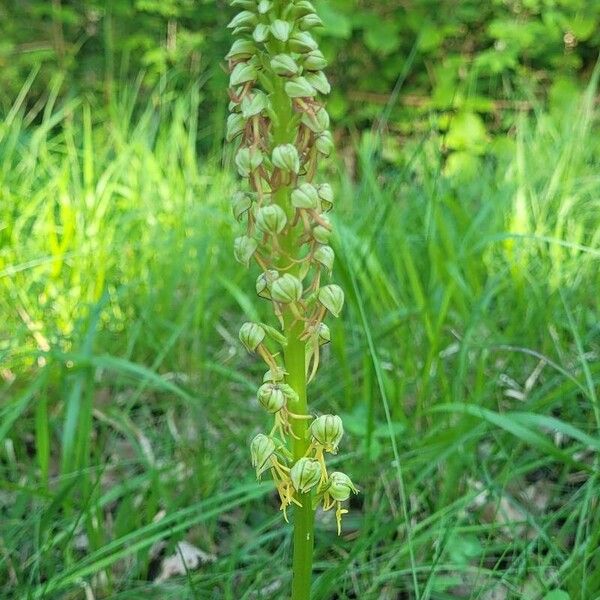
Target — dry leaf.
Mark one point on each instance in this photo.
(186, 558)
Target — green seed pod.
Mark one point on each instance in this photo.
(286, 289)
(305, 196)
(271, 219)
(305, 474)
(249, 4)
(324, 143)
(314, 61)
(284, 65)
(285, 157)
(326, 195)
(264, 6)
(262, 448)
(260, 33)
(254, 105)
(281, 30)
(327, 430)
(241, 49)
(340, 486)
(235, 125)
(242, 19)
(309, 21)
(244, 248)
(264, 281)
(321, 234)
(247, 160)
(318, 121)
(252, 335)
(325, 256)
(324, 335)
(302, 42)
(332, 298)
(242, 73)
(242, 202)
(299, 87)
(319, 82)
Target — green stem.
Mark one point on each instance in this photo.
(303, 517)
(294, 357)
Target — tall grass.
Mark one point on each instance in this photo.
(467, 362)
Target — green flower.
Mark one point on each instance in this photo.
(332, 298)
(285, 157)
(262, 448)
(286, 289)
(340, 486)
(252, 335)
(327, 430)
(305, 474)
(244, 248)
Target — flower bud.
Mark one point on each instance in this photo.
(260, 33)
(340, 486)
(323, 334)
(284, 65)
(244, 18)
(244, 248)
(319, 82)
(254, 105)
(262, 449)
(326, 195)
(299, 87)
(314, 61)
(285, 157)
(305, 196)
(271, 219)
(235, 126)
(332, 298)
(286, 289)
(271, 397)
(274, 396)
(324, 143)
(325, 256)
(264, 7)
(304, 7)
(247, 160)
(305, 474)
(281, 30)
(242, 72)
(302, 42)
(251, 335)
(327, 430)
(241, 49)
(242, 202)
(318, 121)
(309, 21)
(321, 234)
(264, 281)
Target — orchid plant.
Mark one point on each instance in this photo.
(282, 130)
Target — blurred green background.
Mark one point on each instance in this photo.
(466, 364)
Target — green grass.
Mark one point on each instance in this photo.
(466, 365)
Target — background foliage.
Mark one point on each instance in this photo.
(467, 361)
(471, 56)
